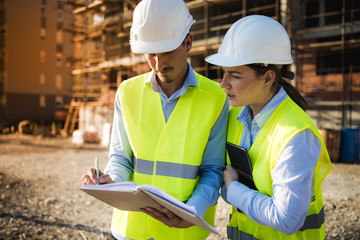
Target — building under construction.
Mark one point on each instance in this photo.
(324, 35)
(102, 51)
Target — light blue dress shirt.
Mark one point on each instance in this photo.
(206, 193)
(292, 176)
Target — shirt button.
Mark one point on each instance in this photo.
(168, 101)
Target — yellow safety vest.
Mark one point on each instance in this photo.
(287, 121)
(167, 154)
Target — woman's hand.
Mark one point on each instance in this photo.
(230, 175)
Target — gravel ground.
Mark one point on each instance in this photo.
(40, 196)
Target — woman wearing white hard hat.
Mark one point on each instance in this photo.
(287, 154)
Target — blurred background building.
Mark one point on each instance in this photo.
(35, 74)
(326, 38)
(36, 79)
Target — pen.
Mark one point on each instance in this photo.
(97, 169)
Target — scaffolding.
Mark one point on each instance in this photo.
(321, 34)
(102, 52)
(327, 46)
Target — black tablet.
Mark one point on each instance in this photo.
(240, 160)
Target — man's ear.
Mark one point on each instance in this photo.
(188, 42)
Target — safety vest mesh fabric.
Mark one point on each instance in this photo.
(167, 154)
(287, 121)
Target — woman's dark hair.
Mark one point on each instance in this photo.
(260, 69)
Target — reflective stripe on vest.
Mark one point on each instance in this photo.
(311, 222)
(314, 221)
(167, 169)
(287, 121)
(233, 233)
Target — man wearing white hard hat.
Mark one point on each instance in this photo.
(288, 156)
(169, 127)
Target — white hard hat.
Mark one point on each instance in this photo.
(159, 26)
(253, 39)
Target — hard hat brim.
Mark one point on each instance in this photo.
(141, 47)
(226, 61)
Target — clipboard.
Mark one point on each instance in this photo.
(240, 160)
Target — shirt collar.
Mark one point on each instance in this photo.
(190, 80)
(261, 118)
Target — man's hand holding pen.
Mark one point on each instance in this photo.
(94, 176)
(90, 177)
